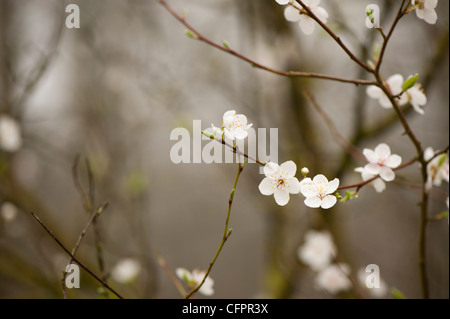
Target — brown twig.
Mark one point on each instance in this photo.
(90, 272)
(99, 210)
(198, 36)
(226, 234)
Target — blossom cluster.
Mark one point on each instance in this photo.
(319, 253)
(395, 83)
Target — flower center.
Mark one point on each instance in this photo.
(281, 183)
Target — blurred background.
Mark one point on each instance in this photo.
(95, 107)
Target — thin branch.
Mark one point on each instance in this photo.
(162, 262)
(226, 233)
(198, 36)
(386, 39)
(104, 284)
(99, 210)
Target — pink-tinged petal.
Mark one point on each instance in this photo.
(291, 14)
(321, 13)
(393, 161)
(395, 83)
(382, 151)
(370, 155)
(379, 185)
(373, 169)
(293, 185)
(288, 169)
(374, 92)
(332, 186)
(320, 179)
(267, 186)
(387, 174)
(328, 201)
(271, 169)
(313, 202)
(281, 197)
(306, 24)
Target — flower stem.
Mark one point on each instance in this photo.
(226, 233)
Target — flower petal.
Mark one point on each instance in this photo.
(306, 24)
(288, 169)
(291, 14)
(395, 83)
(267, 186)
(393, 161)
(313, 202)
(373, 169)
(374, 92)
(321, 13)
(293, 185)
(328, 201)
(383, 151)
(270, 169)
(332, 186)
(320, 179)
(282, 2)
(379, 185)
(370, 155)
(228, 114)
(387, 174)
(281, 197)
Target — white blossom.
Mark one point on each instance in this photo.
(437, 169)
(10, 136)
(318, 191)
(413, 95)
(416, 97)
(318, 250)
(394, 83)
(235, 125)
(426, 10)
(194, 278)
(377, 183)
(381, 162)
(126, 270)
(280, 181)
(334, 278)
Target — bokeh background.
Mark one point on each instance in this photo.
(113, 90)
